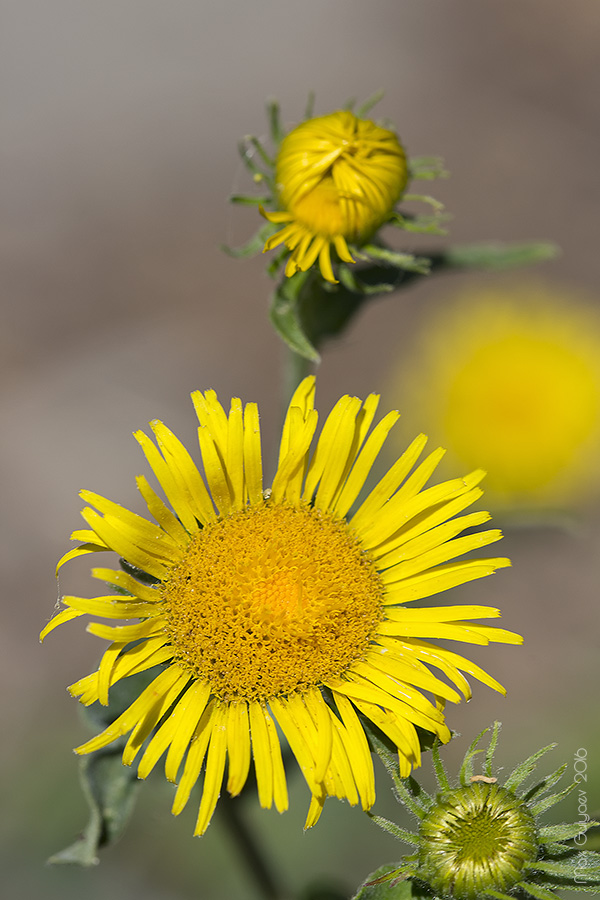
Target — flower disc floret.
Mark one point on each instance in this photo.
(338, 179)
(281, 607)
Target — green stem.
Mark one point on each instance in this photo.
(249, 850)
(296, 368)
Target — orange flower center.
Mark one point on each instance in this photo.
(272, 600)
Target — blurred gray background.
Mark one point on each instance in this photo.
(118, 139)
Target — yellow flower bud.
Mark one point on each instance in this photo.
(338, 179)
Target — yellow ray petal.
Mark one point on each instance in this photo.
(197, 750)
(173, 484)
(326, 445)
(114, 607)
(441, 554)
(136, 712)
(191, 487)
(148, 628)
(144, 727)
(321, 717)
(382, 492)
(165, 518)
(96, 547)
(303, 398)
(235, 454)
(363, 465)
(145, 592)
(144, 533)
(442, 578)
(252, 454)
(176, 731)
(441, 534)
(155, 563)
(215, 767)
(237, 728)
(65, 615)
(216, 472)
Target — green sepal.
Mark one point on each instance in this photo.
(275, 129)
(565, 832)
(248, 200)
(136, 573)
(545, 784)
(524, 769)
(537, 891)
(576, 864)
(438, 766)
(427, 168)
(407, 262)
(252, 247)
(407, 791)
(419, 224)
(110, 789)
(592, 838)
(466, 769)
(389, 882)
(408, 837)
(366, 107)
(550, 801)
(489, 756)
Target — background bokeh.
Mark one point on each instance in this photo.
(119, 128)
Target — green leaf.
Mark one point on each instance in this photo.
(498, 255)
(390, 883)
(110, 789)
(286, 319)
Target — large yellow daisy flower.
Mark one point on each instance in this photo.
(509, 378)
(338, 178)
(281, 609)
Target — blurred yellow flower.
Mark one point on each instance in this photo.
(279, 607)
(510, 377)
(338, 178)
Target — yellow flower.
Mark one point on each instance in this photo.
(338, 178)
(511, 378)
(280, 607)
